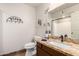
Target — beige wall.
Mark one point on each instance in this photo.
(41, 14)
(15, 35)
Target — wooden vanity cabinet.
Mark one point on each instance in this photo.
(40, 51)
(43, 50)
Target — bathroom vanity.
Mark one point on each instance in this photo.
(43, 50)
(56, 48)
(63, 21)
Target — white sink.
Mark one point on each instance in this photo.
(60, 44)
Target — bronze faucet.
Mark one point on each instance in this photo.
(61, 38)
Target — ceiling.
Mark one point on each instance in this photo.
(35, 4)
(66, 5)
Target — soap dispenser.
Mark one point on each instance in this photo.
(49, 35)
(46, 34)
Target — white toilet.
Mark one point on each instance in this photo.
(30, 49)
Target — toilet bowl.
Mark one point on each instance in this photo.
(30, 49)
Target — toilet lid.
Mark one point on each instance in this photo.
(30, 45)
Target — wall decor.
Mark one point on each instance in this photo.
(14, 19)
(48, 24)
(39, 22)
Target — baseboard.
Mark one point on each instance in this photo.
(13, 52)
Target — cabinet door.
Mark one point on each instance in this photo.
(41, 52)
(52, 52)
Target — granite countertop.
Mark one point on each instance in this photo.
(73, 49)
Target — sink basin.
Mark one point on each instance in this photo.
(61, 45)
